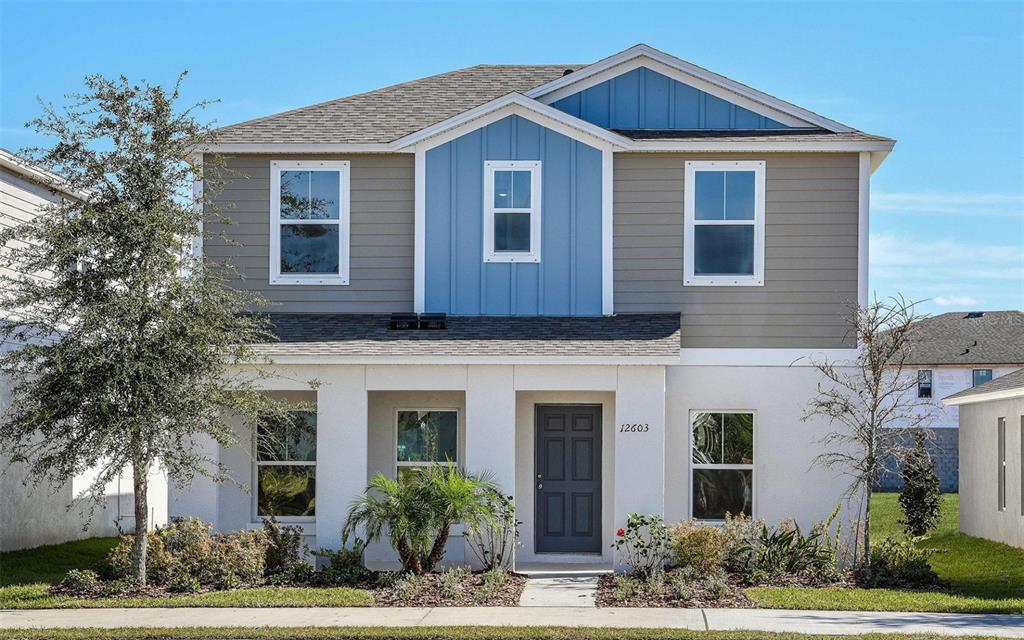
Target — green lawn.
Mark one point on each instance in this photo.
(984, 576)
(25, 576)
(426, 633)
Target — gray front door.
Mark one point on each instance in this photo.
(567, 515)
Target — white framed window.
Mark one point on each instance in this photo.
(284, 472)
(424, 437)
(980, 376)
(512, 198)
(723, 234)
(309, 222)
(721, 464)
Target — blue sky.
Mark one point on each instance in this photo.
(946, 80)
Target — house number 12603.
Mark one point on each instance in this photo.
(634, 428)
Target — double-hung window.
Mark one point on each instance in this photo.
(425, 437)
(924, 383)
(980, 376)
(722, 464)
(512, 225)
(723, 235)
(286, 466)
(309, 222)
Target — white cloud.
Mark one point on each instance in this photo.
(955, 301)
(937, 202)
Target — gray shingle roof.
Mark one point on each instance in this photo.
(952, 338)
(387, 114)
(1010, 381)
(324, 334)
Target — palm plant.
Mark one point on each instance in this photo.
(417, 512)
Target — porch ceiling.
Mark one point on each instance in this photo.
(473, 337)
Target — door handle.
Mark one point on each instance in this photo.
(540, 486)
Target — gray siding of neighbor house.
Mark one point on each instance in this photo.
(381, 276)
(810, 252)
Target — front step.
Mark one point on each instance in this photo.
(563, 570)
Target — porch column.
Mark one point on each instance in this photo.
(491, 424)
(341, 448)
(639, 453)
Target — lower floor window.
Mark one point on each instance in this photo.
(286, 466)
(722, 459)
(425, 437)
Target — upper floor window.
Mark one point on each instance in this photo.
(980, 376)
(723, 235)
(924, 383)
(512, 210)
(722, 464)
(286, 466)
(309, 222)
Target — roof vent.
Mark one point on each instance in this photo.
(971, 315)
(566, 72)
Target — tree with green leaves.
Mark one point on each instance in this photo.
(125, 340)
(920, 499)
(864, 399)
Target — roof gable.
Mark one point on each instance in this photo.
(687, 73)
(642, 98)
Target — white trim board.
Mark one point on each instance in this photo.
(1004, 394)
(688, 73)
(475, 360)
(726, 357)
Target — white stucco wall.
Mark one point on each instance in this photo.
(787, 483)
(945, 382)
(979, 512)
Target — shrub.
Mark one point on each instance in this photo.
(716, 586)
(238, 559)
(493, 540)
(785, 550)
(699, 547)
(451, 582)
(285, 551)
(119, 587)
(406, 587)
(184, 583)
(897, 562)
(741, 533)
(682, 588)
(644, 543)
(418, 511)
(79, 582)
(118, 563)
(344, 567)
(624, 588)
(492, 582)
(920, 499)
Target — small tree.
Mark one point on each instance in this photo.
(125, 338)
(866, 398)
(920, 499)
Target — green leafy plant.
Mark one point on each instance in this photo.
(493, 540)
(285, 551)
(682, 588)
(344, 567)
(78, 582)
(451, 582)
(642, 544)
(417, 511)
(920, 499)
(716, 586)
(898, 562)
(625, 587)
(697, 546)
(407, 586)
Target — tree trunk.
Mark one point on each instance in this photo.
(437, 551)
(140, 473)
(867, 534)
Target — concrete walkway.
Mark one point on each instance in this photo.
(819, 622)
(568, 591)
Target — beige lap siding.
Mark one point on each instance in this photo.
(810, 252)
(381, 276)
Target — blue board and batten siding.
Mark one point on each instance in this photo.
(567, 280)
(646, 99)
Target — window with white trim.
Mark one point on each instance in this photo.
(512, 224)
(286, 466)
(723, 235)
(722, 464)
(980, 376)
(309, 222)
(424, 437)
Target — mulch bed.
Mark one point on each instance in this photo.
(469, 593)
(646, 596)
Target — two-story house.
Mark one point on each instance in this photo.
(601, 283)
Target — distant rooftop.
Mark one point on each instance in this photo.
(1010, 385)
(969, 338)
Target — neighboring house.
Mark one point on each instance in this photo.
(992, 459)
(33, 516)
(952, 352)
(631, 263)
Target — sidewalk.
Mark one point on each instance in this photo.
(818, 622)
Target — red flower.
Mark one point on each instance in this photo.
(620, 532)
